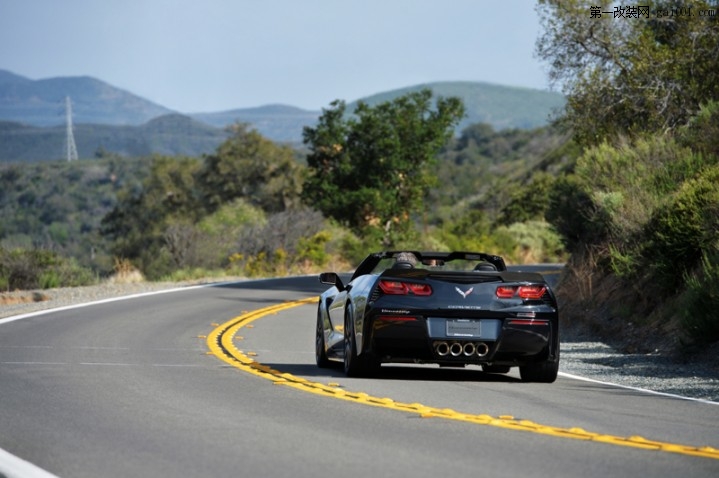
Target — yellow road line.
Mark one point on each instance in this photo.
(221, 343)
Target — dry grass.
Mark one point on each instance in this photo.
(22, 297)
(125, 273)
(613, 309)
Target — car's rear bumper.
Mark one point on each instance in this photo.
(506, 340)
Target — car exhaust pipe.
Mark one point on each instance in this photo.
(455, 349)
(481, 349)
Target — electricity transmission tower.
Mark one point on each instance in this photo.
(70, 147)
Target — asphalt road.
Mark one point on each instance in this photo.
(131, 388)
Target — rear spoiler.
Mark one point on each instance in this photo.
(504, 276)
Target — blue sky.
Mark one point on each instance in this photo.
(214, 55)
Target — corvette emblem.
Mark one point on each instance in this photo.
(463, 293)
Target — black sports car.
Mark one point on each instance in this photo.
(447, 308)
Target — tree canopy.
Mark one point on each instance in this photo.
(632, 72)
(369, 170)
(178, 193)
(251, 166)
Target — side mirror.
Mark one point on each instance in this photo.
(332, 278)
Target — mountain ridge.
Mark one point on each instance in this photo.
(108, 114)
(42, 102)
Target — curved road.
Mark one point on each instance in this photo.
(135, 388)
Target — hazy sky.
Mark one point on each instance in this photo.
(214, 55)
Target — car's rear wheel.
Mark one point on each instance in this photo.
(354, 364)
(542, 372)
(320, 352)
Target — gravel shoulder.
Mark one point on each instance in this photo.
(582, 355)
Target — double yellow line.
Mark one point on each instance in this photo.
(221, 342)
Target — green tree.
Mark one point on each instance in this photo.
(370, 170)
(248, 165)
(529, 202)
(629, 75)
(139, 223)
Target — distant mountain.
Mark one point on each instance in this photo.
(172, 135)
(32, 117)
(501, 106)
(278, 122)
(42, 102)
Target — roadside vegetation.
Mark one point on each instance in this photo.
(639, 208)
(623, 187)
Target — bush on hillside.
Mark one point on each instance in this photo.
(702, 132)
(22, 269)
(700, 302)
(536, 242)
(574, 214)
(685, 231)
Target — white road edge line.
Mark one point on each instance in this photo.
(105, 301)
(14, 467)
(644, 390)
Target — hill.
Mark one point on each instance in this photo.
(174, 135)
(503, 107)
(32, 113)
(278, 122)
(42, 102)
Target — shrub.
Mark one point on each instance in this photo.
(312, 249)
(700, 302)
(40, 269)
(575, 215)
(680, 234)
(528, 202)
(702, 132)
(536, 241)
(280, 231)
(352, 248)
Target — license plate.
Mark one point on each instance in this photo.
(463, 328)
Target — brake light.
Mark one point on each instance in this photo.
(394, 287)
(420, 289)
(506, 291)
(531, 292)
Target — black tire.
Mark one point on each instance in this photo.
(320, 352)
(354, 364)
(351, 360)
(541, 372)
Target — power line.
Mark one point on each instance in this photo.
(70, 148)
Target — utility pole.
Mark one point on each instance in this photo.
(70, 149)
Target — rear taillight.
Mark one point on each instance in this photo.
(530, 292)
(533, 292)
(394, 287)
(506, 291)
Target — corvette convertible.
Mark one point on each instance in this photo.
(453, 309)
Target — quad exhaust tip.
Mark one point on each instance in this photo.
(457, 348)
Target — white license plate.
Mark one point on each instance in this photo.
(463, 328)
